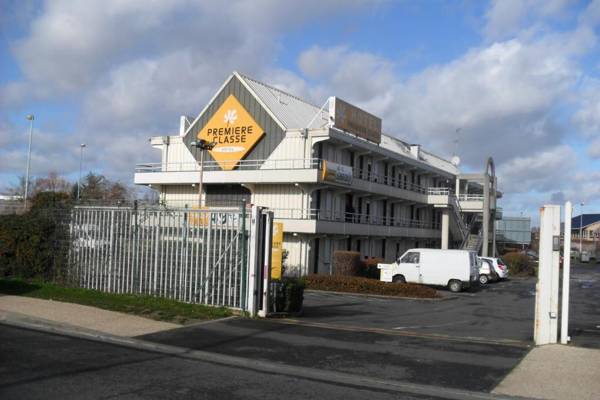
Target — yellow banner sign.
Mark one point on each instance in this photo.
(234, 131)
(277, 251)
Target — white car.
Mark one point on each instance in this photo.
(487, 272)
(500, 267)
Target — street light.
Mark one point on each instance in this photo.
(30, 118)
(581, 229)
(81, 146)
(202, 145)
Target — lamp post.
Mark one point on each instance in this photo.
(581, 229)
(81, 146)
(30, 118)
(202, 145)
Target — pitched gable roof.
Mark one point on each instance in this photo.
(585, 220)
(291, 111)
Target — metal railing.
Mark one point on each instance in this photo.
(270, 164)
(439, 191)
(290, 164)
(193, 256)
(470, 197)
(370, 176)
(349, 217)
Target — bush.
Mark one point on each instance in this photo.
(346, 263)
(32, 245)
(369, 268)
(289, 295)
(352, 284)
(519, 264)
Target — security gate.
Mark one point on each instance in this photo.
(195, 256)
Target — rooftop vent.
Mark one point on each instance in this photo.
(415, 150)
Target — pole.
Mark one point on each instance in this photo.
(201, 177)
(564, 322)
(30, 117)
(581, 230)
(81, 146)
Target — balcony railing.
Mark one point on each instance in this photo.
(348, 217)
(306, 163)
(470, 197)
(387, 180)
(309, 163)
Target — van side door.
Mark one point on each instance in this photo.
(409, 266)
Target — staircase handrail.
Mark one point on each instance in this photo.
(458, 214)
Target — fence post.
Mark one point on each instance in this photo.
(243, 275)
(254, 259)
(564, 312)
(546, 296)
(266, 266)
(111, 249)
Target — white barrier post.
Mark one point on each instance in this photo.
(546, 299)
(254, 261)
(266, 265)
(564, 315)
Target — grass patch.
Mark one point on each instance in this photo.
(156, 308)
(354, 284)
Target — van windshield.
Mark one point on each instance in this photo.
(410, 258)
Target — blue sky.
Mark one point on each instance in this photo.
(521, 79)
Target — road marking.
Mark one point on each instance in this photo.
(433, 326)
(392, 332)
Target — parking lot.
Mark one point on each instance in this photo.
(501, 311)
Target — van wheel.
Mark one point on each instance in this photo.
(455, 286)
(399, 279)
(484, 279)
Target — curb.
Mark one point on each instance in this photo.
(330, 377)
(383, 296)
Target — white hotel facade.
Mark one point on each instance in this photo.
(330, 175)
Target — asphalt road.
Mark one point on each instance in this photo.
(431, 361)
(35, 365)
(502, 310)
(584, 315)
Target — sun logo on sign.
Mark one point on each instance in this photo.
(230, 116)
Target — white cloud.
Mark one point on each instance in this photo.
(540, 172)
(507, 18)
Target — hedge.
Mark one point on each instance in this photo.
(34, 245)
(353, 284)
(346, 263)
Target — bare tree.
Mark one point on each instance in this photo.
(53, 183)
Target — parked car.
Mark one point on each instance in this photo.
(585, 256)
(499, 266)
(487, 273)
(455, 269)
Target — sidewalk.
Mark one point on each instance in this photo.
(87, 317)
(555, 372)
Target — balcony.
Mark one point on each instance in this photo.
(246, 171)
(345, 223)
(298, 171)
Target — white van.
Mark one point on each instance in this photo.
(456, 269)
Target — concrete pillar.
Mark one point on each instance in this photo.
(486, 216)
(445, 227)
